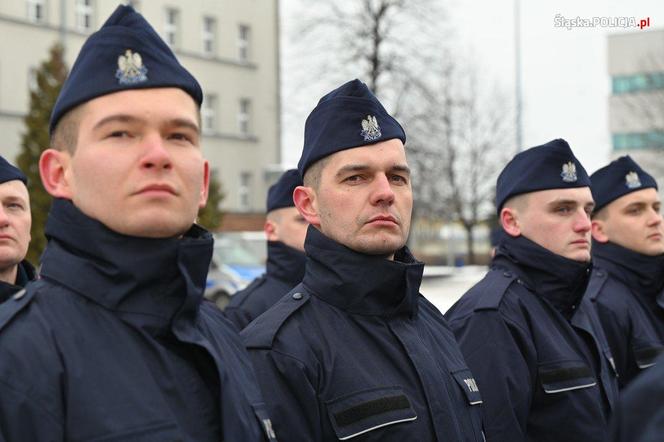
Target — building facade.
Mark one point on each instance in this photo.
(231, 47)
(636, 104)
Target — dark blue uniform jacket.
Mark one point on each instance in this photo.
(355, 352)
(285, 269)
(536, 348)
(114, 344)
(25, 273)
(624, 288)
(639, 415)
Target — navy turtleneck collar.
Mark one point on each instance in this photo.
(150, 282)
(559, 280)
(643, 273)
(24, 274)
(359, 283)
(285, 263)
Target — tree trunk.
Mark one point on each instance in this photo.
(470, 244)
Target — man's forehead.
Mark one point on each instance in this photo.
(13, 188)
(386, 154)
(128, 100)
(644, 196)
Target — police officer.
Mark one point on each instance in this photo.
(15, 222)
(533, 342)
(285, 229)
(114, 343)
(355, 349)
(639, 416)
(628, 254)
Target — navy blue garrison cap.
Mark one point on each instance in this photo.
(349, 116)
(549, 166)
(10, 173)
(280, 193)
(126, 53)
(620, 177)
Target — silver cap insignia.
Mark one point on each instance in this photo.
(370, 129)
(569, 172)
(130, 68)
(632, 180)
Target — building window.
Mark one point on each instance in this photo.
(84, 10)
(243, 42)
(244, 191)
(209, 35)
(36, 10)
(244, 117)
(638, 140)
(209, 114)
(637, 83)
(171, 27)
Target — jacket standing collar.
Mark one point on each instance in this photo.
(559, 280)
(149, 282)
(285, 263)
(359, 283)
(642, 273)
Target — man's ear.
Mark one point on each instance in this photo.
(509, 219)
(205, 189)
(305, 201)
(270, 229)
(598, 229)
(54, 168)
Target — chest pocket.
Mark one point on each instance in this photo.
(467, 383)
(157, 432)
(646, 356)
(558, 377)
(367, 410)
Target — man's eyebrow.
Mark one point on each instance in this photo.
(352, 168)
(400, 168)
(14, 199)
(184, 122)
(116, 118)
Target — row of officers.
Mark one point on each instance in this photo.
(114, 341)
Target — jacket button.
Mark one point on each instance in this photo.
(18, 295)
(507, 274)
(297, 296)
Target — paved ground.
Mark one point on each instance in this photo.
(443, 286)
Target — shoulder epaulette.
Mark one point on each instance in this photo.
(260, 332)
(597, 279)
(492, 288)
(17, 302)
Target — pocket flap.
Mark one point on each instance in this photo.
(646, 356)
(363, 411)
(467, 383)
(566, 376)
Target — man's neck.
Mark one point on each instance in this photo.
(8, 274)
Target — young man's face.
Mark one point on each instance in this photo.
(558, 220)
(15, 222)
(632, 221)
(138, 167)
(364, 200)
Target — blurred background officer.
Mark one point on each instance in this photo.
(628, 255)
(285, 230)
(639, 415)
(15, 222)
(114, 343)
(355, 349)
(533, 342)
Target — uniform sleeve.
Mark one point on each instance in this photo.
(23, 419)
(290, 395)
(497, 353)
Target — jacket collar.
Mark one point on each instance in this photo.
(149, 282)
(359, 283)
(559, 280)
(285, 263)
(642, 273)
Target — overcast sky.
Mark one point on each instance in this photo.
(565, 81)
